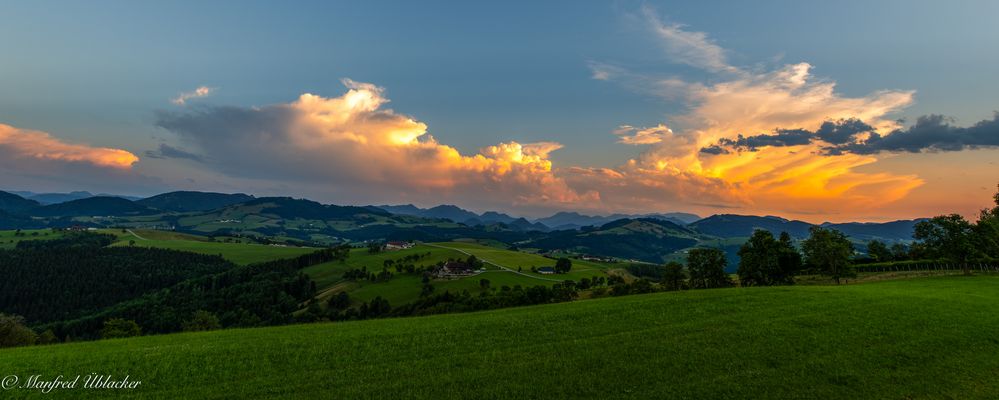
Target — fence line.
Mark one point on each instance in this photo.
(927, 266)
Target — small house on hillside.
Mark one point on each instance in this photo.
(546, 270)
(398, 245)
(454, 269)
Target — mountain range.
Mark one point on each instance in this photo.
(650, 237)
(56, 198)
(559, 221)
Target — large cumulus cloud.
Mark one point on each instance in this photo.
(353, 140)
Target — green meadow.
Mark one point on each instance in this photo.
(9, 238)
(405, 288)
(239, 253)
(914, 338)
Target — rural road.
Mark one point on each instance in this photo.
(492, 263)
(136, 234)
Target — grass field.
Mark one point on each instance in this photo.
(9, 239)
(239, 253)
(406, 288)
(515, 259)
(328, 274)
(915, 338)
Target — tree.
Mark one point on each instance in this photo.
(202, 321)
(987, 230)
(707, 268)
(764, 260)
(789, 260)
(14, 332)
(563, 265)
(673, 276)
(948, 236)
(376, 308)
(341, 301)
(829, 251)
(758, 259)
(120, 328)
(47, 337)
(877, 250)
(899, 252)
(484, 284)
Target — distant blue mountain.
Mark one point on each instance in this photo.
(575, 220)
(56, 198)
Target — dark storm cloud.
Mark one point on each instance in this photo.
(930, 133)
(842, 131)
(245, 142)
(780, 138)
(714, 150)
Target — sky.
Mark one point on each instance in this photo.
(846, 111)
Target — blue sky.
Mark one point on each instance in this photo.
(476, 74)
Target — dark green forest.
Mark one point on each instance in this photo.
(52, 280)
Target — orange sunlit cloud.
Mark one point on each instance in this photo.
(21, 143)
(354, 139)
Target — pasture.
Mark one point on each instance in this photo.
(917, 338)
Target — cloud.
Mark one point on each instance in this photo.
(199, 92)
(930, 133)
(843, 131)
(167, 151)
(686, 47)
(756, 140)
(628, 134)
(717, 150)
(36, 160)
(602, 72)
(780, 137)
(22, 144)
(354, 141)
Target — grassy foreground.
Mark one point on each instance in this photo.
(919, 338)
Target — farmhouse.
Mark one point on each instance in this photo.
(588, 257)
(398, 245)
(454, 269)
(546, 270)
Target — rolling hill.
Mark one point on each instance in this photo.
(655, 238)
(731, 226)
(13, 203)
(93, 206)
(182, 201)
(574, 220)
(644, 239)
(895, 230)
(18, 221)
(893, 339)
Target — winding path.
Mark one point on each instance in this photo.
(136, 234)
